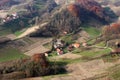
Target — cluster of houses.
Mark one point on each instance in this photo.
(10, 17)
(59, 44)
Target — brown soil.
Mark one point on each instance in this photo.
(37, 47)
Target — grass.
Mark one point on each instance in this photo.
(93, 32)
(17, 33)
(39, 4)
(90, 41)
(70, 61)
(102, 44)
(91, 53)
(115, 72)
(96, 54)
(68, 39)
(7, 54)
(48, 45)
(54, 53)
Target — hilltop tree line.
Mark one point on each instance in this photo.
(112, 29)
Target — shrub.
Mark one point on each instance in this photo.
(36, 66)
(111, 29)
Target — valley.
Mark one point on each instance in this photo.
(59, 40)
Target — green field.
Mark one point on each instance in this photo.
(7, 54)
(92, 53)
(17, 33)
(92, 31)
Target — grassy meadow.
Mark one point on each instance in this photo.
(7, 54)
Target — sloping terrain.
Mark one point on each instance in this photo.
(38, 47)
(70, 17)
(60, 18)
(75, 23)
(113, 4)
(29, 12)
(91, 70)
(4, 4)
(7, 4)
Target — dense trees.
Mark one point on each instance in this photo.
(73, 9)
(92, 6)
(70, 18)
(111, 32)
(114, 28)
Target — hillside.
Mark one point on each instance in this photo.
(26, 10)
(38, 12)
(7, 4)
(4, 4)
(59, 40)
(113, 4)
(70, 17)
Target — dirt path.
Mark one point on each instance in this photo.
(31, 30)
(38, 47)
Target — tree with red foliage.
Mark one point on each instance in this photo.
(73, 9)
(40, 58)
(114, 28)
(92, 6)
